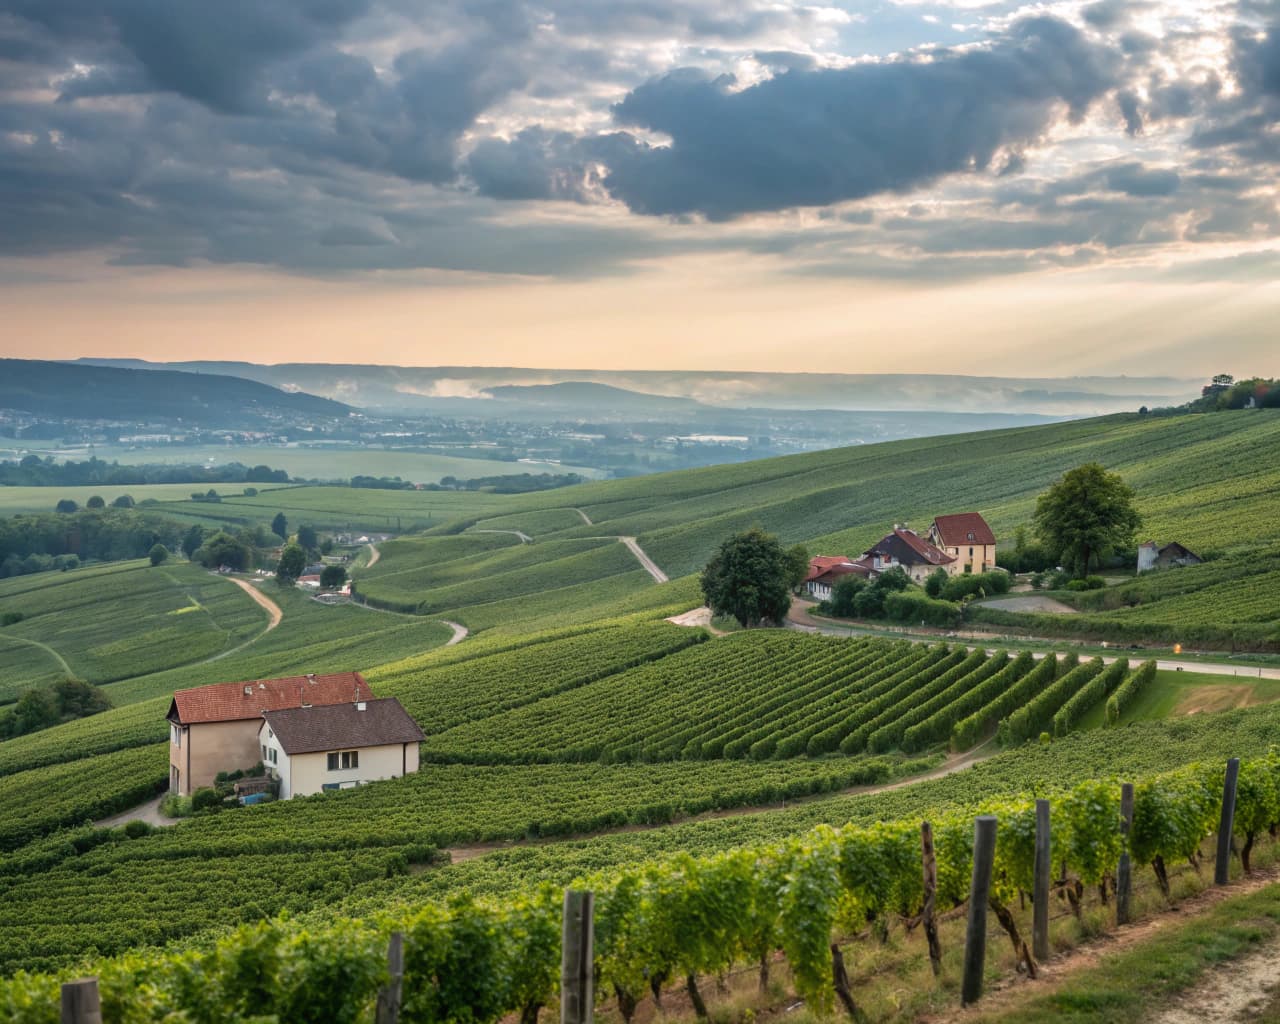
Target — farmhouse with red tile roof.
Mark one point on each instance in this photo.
(906, 549)
(968, 539)
(214, 728)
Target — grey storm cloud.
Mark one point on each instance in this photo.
(332, 136)
(822, 136)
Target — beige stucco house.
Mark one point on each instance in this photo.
(968, 539)
(214, 728)
(338, 746)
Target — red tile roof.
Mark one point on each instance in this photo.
(913, 540)
(820, 564)
(843, 569)
(955, 529)
(235, 702)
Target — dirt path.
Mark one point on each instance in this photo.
(954, 763)
(1234, 991)
(585, 518)
(374, 555)
(459, 632)
(1031, 603)
(697, 617)
(651, 567)
(799, 618)
(524, 537)
(273, 610)
(44, 647)
(148, 812)
(1248, 973)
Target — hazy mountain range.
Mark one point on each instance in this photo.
(462, 389)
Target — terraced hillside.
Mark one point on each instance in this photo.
(116, 621)
(1207, 481)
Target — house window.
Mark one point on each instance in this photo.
(971, 553)
(273, 755)
(343, 760)
(175, 735)
(264, 751)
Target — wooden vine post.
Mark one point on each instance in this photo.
(389, 996)
(975, 940)
(1124, 871)
(80, 1002)
(927, 915)
(1222, 867)
(577, 980)
(1041, 870)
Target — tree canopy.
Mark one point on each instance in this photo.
(749, 577)
(224, 549)
(280, 526)
(292, 561)
(332, 577)
(307, 537)
(1086, 515)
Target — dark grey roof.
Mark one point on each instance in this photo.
(343, 726)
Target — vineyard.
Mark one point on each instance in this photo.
(120, 620)
(662, 923)
(765, 696)
(1198, 479)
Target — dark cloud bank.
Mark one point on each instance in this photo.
(171, 131)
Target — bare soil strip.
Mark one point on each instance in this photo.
(651, 567)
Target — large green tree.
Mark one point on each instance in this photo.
(307, 537)
(1086, 515)
(749, 578)
(224, 549)
(292, 561)
(280, 526)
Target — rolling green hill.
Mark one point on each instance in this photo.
(622, 721)
(117, 621)
(1207, 481)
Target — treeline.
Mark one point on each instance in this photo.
(45, 706)
(33, 471)
(516, 483)
(1225, 393)
(53, 540)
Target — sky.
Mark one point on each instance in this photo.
(1048, 188)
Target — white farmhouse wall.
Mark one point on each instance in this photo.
(305, 774)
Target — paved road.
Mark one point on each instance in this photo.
(799, 618)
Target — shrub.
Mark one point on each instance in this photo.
(957, 588)
(137, 829)
(936, 581)
(906, 606)
(203, 799)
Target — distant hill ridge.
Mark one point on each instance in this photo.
(417, 387)
(84, 391)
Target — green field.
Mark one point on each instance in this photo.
(15, 500)
(117, 621)
(341, 508)
(310, 463)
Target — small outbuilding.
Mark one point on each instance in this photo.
(337, 746)
(1172, 554)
